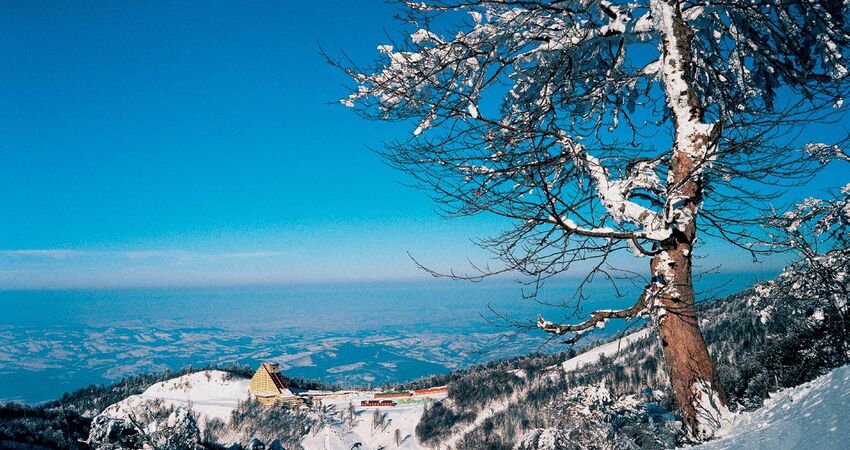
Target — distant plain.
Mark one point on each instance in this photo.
(355, 334)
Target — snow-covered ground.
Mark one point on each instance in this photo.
(342, 436)
(591, 356)
(209, 393)
(814, 415)
(609, 350)
(487, 412)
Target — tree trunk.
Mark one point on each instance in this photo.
(696, 386)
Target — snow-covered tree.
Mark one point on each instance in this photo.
(818, 230)
(605, 126)
(147, 424)
(817, 226)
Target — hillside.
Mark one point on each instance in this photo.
(215, 407)
(205, 403)
(812, 413)
(210, 395)
(780, 334)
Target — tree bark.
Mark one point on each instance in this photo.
(696, 386)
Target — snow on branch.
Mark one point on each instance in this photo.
(614, 194)
(597, 126)
(599, 317)
(823, 216)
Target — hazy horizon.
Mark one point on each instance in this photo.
(403, 330)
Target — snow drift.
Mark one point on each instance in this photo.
(812, 415)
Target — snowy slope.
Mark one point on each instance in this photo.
(211, 395)
(814, 415)
(610, 350)
(486, 413)
(341, 436)
(208, 393)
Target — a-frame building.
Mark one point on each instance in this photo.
(269, 386)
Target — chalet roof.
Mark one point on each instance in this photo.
(279, 382)
(276, 377)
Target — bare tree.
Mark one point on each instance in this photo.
(350, 415)
(601, 127)
(379, 421)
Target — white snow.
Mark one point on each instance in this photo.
(497, 406)
(209, 393)
(609, 349)
(487, 412)
(712, 414)
(403, 417)
(813, 415)
(614, 194)
(689, 128)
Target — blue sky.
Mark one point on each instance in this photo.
(158, 143)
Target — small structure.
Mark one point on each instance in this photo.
(381, 403)
(432, 391)
(394, 394)
(268, 386)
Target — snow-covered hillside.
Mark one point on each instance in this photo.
(210, 394)
(609, 349)
(363, 430)
(169, 414)
(214, 394)
(813, 415)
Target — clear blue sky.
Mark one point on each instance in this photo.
(150, 143)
